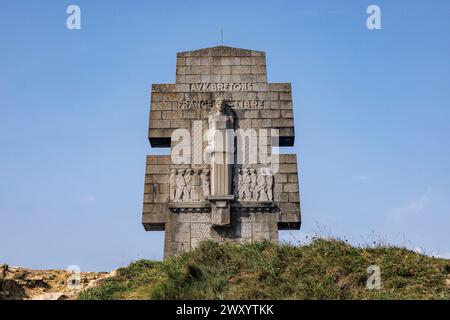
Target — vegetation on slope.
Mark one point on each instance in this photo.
(324, 269)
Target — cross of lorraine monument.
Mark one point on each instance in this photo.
(222, 182)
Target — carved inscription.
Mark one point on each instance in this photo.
(216, 87)
(208, 104)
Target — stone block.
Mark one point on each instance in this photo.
(149, 187)
(270, 113)
(200, 70)
(153, 222)
(288, 158)
(281, 197)
(268, 95)
(172, 115)
(152, 159)
(261, 123)
(294, 197)
(283, 87)
(153, 208)
(155, 115)
(163, 188)
(261, 77)
(180, 124)
(221, 70)
(149, 198)
(239, 95)
(156, 178)
(158, 169)
(164, 160)
(180, 78)
(247, 61)
(197, 61)
(183, 69)
(258, 70)
(260, 87)
(287, 113)
(241, 69)
(158, 123)
(290, 187)
(251, 114)
(160, 105)
(285, 96)
(181, 61)
(283, 122)
(161, 198)
(193, 78)
(260, 61)
(160, 88)
(290, 207)
(287, 168)
(278, 188)
(231, 61)
(210, 78)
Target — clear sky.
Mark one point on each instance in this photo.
(371, 107)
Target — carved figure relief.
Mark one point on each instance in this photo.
(246, 184)
(188, 179)
(189, 185)
(180, 186)
(196, 189)
(172, 184)
(205, 183)
(252, 185)
(261, 193)
(237, 182)
(253, 179)
(269, 186)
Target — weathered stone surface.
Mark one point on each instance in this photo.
(196, 202)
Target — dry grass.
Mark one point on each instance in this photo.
(325, 269)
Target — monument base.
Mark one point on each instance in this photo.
(184, 231)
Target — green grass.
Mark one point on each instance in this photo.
(325, 269)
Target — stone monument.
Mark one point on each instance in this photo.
(223, 181)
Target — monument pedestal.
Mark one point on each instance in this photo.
(221, 210)
(222, 156)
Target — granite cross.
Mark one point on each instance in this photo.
(220, 92)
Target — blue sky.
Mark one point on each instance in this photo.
(372, 111)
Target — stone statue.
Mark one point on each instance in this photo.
(220, 107)
(219, 111)
(180, 186)
(172, 184)
(205, 183)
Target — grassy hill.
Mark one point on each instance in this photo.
(325, 269)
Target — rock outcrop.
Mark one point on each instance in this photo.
(26, 284)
